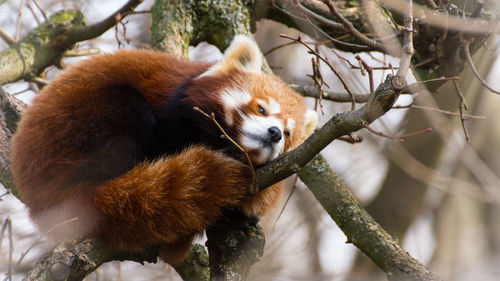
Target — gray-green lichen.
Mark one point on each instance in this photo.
(40, 48)
(178, 24)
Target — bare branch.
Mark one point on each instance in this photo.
(400, 138)
(310, 91)
(41, 10)
(446, 21)
(358, 35)
(323, 20)
(334, 70)
(466, 44)
(19, 20)
(45, 45)
(6, 37)
(464, 116)
(359, 226)
(405, 62)
(462, 105)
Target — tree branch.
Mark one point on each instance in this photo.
(45, 45)
(359, 226)
(313, 92)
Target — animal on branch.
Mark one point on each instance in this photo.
(115, 143)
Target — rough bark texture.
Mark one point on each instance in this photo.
(10, 112)
(45, 45)
(74, 260)
(358, 226)
(179, 24)
(233, 250)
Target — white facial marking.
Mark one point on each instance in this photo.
(231, 100)
(255, 130)
(274, 107)
(290, 124)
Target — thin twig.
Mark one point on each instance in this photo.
(81, 52)
(136, 12)
(294, 187)
(40, 80)
(329, 23)
(462, 105)
(23, 255)
(464, 116)
(41, 10)
(337, 43)
(5, 193)
(366, 67)
(416, 87)
(6, 37)
(35, 16)
(335, 71)
(466, 44)
(405, 62)
(226, 136)
(341, 44)
(19, 20)
(351, 138)
(318, 82)
(2, 231)
(400, 138)
(310, 91)
(278, 47)
(11, 249)
(431, 4)
(350, 27)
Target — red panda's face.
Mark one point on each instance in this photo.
(259, 111)
(265, 116)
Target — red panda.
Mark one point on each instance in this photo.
(115, 143)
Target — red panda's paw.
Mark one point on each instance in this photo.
(222, 177)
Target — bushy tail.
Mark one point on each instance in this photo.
(168, 199)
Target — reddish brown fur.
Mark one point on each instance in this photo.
(165, 201)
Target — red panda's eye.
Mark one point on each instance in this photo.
(287, 134)
(261, 110)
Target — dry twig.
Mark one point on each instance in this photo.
(226, 136)
(462, 105)
(41, 10)
(400, 138)
(358, 35)
(466, 44)
(337, 73)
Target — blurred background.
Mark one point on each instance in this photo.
(436, 192)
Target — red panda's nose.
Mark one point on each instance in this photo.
(274, 134)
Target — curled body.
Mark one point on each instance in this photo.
(115, 143)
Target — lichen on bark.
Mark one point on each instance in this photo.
(40, 48)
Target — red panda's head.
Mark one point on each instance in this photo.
(258, 110)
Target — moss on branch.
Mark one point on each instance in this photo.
(178, 24)
(359, 226)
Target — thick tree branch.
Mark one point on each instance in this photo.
(45, 45)
(359, 226)
(10, 112)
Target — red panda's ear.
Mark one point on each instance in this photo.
(243, 53)
(311, 120)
